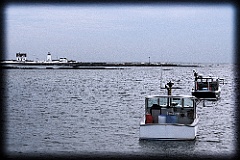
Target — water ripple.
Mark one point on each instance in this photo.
(86, 111)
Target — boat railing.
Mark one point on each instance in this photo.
(181, 115)
(191, 123)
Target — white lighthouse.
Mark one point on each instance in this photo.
(49, 57)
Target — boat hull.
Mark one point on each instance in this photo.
(169, 131)
(207, 94)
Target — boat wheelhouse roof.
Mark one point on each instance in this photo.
(201, 77)
(171, 96)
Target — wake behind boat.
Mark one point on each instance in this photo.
(169, 117)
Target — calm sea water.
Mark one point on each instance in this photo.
(98, 111)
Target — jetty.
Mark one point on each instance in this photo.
(22, 62)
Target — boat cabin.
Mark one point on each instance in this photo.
(170, 109)
(207, 88)
(206, 83)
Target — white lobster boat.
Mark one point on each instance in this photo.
(169, 117)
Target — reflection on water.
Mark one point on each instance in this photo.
(167, 147)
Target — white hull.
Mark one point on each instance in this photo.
(168, 131)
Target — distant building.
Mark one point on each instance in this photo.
(21, 57)
(63, 60)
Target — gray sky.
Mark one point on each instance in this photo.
(118, 33)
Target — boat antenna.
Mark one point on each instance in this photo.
(195, 74)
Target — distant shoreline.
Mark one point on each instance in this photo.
(85, 65)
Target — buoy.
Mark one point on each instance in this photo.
(149, 118)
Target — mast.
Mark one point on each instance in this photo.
(168, 86)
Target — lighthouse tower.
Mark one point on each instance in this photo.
(49, 57)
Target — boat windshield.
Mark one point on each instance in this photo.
(207, 85)
(188, 102)
(169, 102)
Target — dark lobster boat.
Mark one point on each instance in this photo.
(207, 88)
